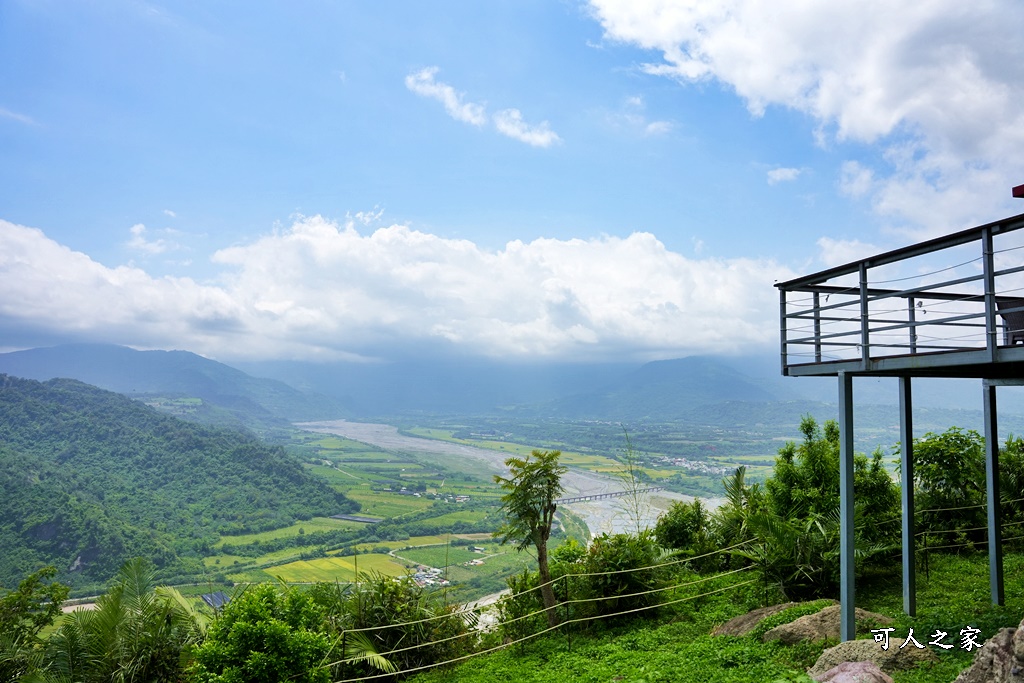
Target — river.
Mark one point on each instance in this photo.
(609, 515)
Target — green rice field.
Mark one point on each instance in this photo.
(309, 526)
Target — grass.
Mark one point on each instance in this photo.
(387, 504)
(309, 526)
(677, 646)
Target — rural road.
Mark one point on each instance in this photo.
(608, 515)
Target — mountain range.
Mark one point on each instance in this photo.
(705, 389)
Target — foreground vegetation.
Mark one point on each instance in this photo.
(638, 606)
(675, 643)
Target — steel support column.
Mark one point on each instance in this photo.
(995, 536)
(847, 627)
(907, 497)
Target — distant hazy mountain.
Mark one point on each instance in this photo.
(670, 390)
(664, 388)
(440, 386)
(230, 395)
(684, 389)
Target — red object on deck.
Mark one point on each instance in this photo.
(1018, 192)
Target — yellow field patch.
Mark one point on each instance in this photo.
(335, 568)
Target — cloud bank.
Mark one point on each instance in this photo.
(939, 85)
(323, 290)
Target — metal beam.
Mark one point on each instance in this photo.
(995, 537)
(783, 331)
(865, 319)
(907, 497)
(988, 266)
(847, 627)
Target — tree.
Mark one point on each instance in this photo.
(266, 635)
(24, 612)
(796, 526)
(136, 633)
(686, 527)
(529, 508)
(635, 501)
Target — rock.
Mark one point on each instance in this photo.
(1000, 659)
(823, 625)
(854, 672)
(745, 623)
(893, 659)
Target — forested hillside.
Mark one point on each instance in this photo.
(90, 478)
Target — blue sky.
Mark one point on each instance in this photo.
(550, 180)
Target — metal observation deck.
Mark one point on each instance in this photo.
(948, 307)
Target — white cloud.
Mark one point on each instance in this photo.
(49, 288)
(782, 175)
(422, 83)
(15, 116)
(510, 122)
(938, 84)
(855, 180)
(658, 127)
(322, 289)
(632, 115)
(168, 212)
(833, 252)
(139, 242)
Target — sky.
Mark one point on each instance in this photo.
(564, 180)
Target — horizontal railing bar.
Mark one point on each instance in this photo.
(829, 307)
(922, 292)
(833, 335)
(920, 249)
(888, 293)
(899, 346)
(1009, 271)
(809, 341)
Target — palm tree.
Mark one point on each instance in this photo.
(136, 633)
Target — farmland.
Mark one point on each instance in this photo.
(427, 496)
(414, 496)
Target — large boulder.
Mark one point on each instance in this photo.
(893, 659)
(745, 623)
(823, 625)
(854, 672)
(1000, 659)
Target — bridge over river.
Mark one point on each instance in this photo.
(591, 495)
(602, 496)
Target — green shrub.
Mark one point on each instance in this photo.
(687, 528)
(266, 635)
(615, 573)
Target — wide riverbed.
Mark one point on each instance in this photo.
(608, 515)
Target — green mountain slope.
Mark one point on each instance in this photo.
(228, 396)
(89, 478)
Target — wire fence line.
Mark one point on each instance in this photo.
(567, 621)
(562, 624)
